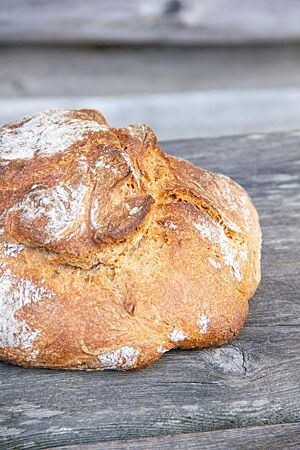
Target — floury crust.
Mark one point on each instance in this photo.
(113, 252)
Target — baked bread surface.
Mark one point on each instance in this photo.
(113, 252)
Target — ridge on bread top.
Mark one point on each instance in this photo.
(76, 185)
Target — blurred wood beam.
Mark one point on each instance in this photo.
(181, 115)
(158, 22)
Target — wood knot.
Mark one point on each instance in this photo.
(172, 7)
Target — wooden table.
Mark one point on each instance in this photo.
(244, 395)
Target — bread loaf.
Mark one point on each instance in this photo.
(113, 252)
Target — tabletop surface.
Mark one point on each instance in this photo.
(242, 395)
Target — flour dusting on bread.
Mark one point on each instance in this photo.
(213, 232)
(171, 225)
(177, 335)
(161, 349)
(45, 134)
(123, 358)
(203, 324)
(214, 263)
(100, 163)
(131, 166)
(60, 208)
(15, 293)
(11, 249)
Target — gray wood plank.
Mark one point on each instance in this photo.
(84, 71)
(275, 437)
(158, 22)
(253, 382)
(181, 115)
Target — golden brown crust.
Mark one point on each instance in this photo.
(113, 252)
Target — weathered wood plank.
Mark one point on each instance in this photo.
(159, 22)
(181, 115)
(72, 71)
(252, 382)
(275, 437)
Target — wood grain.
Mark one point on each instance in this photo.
(156, 22)
(276, 437)
(253, 382)
(29, 71)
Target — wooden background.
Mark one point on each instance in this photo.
(150, 22)
(190, 69)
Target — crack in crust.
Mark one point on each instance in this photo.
(98, 196)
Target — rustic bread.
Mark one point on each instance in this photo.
(113, 252)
